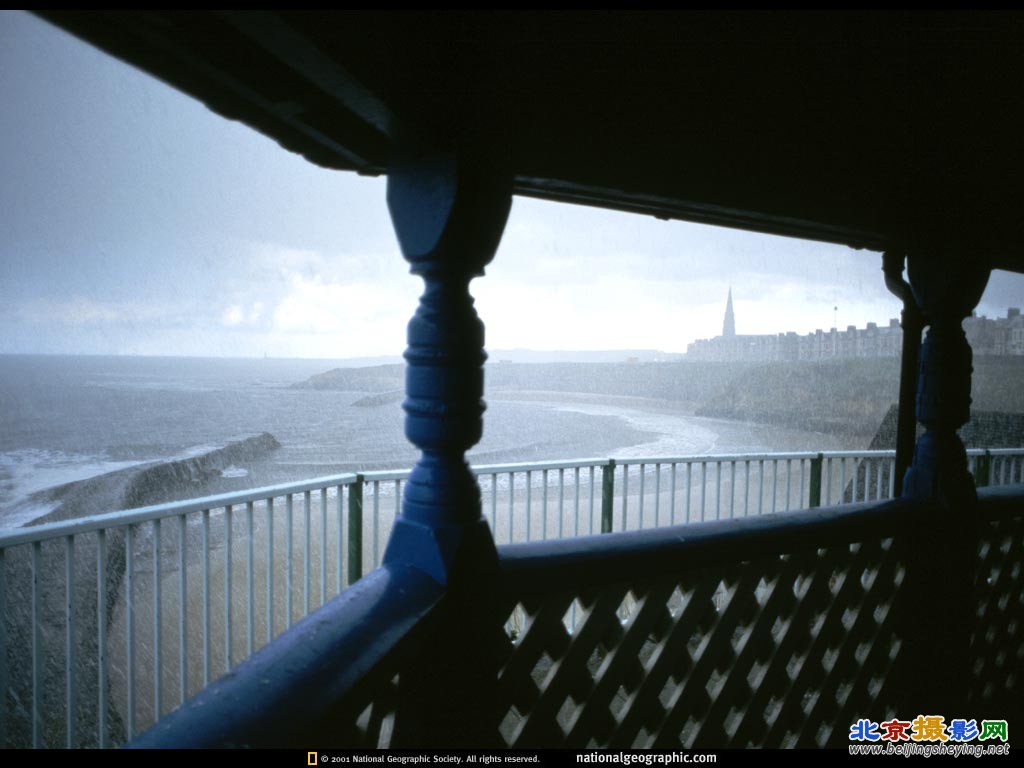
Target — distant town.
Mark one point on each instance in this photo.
(1001, 336)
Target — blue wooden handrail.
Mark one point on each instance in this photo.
(590, 561)
(280, 695)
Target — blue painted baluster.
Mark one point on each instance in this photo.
(937, 607)
(448, 210)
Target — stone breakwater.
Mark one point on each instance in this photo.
(152, 483)
(146, 484)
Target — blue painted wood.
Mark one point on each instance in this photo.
(585, 562)
(912, 324)
(279, 696)
(449, 210)
(947, 281)
(947, 286)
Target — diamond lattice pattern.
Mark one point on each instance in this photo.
(997, 642)
(783, 651)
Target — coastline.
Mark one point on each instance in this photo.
(142, 483)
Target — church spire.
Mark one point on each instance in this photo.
(729, 326)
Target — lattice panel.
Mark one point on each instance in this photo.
(779, 652)
(997, 643)
(372, 725)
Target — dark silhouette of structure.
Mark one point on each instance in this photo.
(729, 324)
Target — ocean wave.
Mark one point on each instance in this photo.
(136, 485)
(25, 473)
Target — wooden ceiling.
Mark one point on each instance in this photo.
(875, 130)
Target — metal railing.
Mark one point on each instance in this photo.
(109, 621)
(773, 632)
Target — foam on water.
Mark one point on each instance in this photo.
(677, 435)
(682, 434)
(26, 472)
(24, 513)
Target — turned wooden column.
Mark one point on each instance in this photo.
(938, 610)
(912, 324)
(946, 289)
(449, 210)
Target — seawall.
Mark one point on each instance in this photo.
(124, 489)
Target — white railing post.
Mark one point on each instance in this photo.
(70, 644)
(101, 632)
(206, 596)
(129, 618)
(37, 648)
(3, 650)
(228, 591)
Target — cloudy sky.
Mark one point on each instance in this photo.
(135, 221)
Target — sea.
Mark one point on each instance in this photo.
(66, 419)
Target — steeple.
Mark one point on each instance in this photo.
(729, 326)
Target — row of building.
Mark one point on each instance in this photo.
(998, 336)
